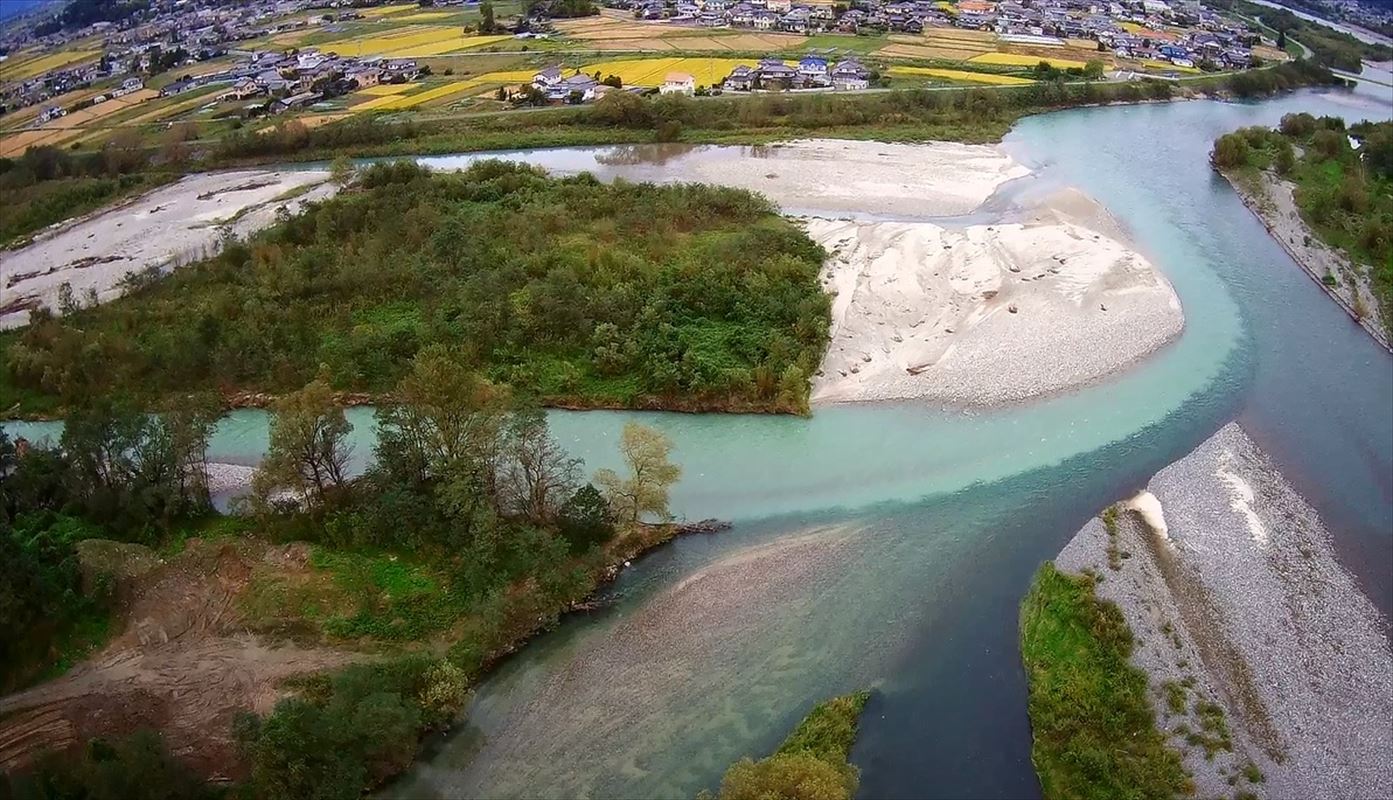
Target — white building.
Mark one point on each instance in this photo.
(678, 83)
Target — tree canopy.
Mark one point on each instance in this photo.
(572, 291)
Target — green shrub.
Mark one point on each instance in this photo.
(1094, 728)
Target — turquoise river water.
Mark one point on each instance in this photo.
(889, 545)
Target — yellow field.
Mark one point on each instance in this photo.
(1131, 27)
(382, 11)
(405, 101)
(425, 16)
(652, 71)
(386, 88)
(1014, 60)
(960, 75)
(414, 41)
(510, 76)
(19, 69)
(609, 33)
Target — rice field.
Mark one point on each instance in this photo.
(412, 41)
(386, 88)
(426, 16)
(959, 75)
(400, 102)
(382, 11)
(609, 33)
(1016, 60)
(18, 69)
(652, 71)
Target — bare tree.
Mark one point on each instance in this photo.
(535, 477)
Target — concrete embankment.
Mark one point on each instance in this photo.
(1229, 582)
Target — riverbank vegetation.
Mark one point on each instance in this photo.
(1095, 733)
(469, 531)
(1343, 179)
(811, 764)
(968, 115)
(982, 114)
(567, 290)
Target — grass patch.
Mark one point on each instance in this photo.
(1175, 697)
(1213, 735)
(811, 763)
(1094, 728)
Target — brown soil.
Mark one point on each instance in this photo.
(185, 664)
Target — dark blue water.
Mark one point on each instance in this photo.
(1309, 385)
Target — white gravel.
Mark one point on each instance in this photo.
(169, 227)
(1244, 596)
(833, 175)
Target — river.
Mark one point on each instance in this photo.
(889, 545)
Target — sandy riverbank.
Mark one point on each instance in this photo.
(170, 226)
(832, 176)
(1271, 199)
(1236, 590)
(1048, 299)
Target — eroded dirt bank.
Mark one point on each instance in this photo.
(1230, 584)
(185, 661)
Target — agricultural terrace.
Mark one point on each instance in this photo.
(18, 68)
(608, 33)
(413, 41)
(70, 127)
(958, 75)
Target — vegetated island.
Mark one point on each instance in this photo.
(1324, 191)
(1201, 638)
(728, 313)
(811, 764)
(303, 649)
(569, 290)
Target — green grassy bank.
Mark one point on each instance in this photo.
(1094, 728)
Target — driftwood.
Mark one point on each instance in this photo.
(704, 526)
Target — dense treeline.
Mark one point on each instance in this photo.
(481, 523)
(973, 115)
(81, 13)
(1328, 46)
(1346, 194)
(570, 290)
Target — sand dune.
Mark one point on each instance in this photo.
(986, 314)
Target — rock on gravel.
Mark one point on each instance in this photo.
(1237, 598)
